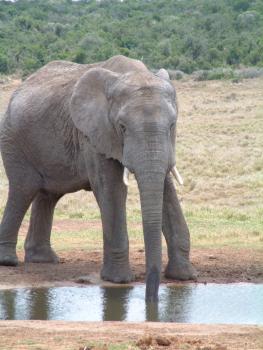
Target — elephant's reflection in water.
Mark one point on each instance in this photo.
(176, 304)
(113, 304)
(7, 305)
(118, 302)
(39, 304)
(152, 312)
(24, 304)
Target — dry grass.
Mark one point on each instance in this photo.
(220, 155)
(220, 143)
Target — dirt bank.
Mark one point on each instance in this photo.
(224, 265)
(78, 335)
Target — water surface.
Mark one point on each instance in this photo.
(191, 303)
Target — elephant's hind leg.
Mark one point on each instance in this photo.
(19, 199)
(177, 236)
(37, 245)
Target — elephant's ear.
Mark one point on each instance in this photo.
(90, 109)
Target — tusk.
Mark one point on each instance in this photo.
(177, 176)
(126, 177)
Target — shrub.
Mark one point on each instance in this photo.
(3, 64)
(177, 35)
(80, 57)
(214, 74)
(176, 74)
(249, 73)
(186, 65)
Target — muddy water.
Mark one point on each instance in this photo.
(199, 303)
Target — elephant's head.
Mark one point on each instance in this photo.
(132, 118)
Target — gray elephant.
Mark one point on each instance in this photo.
(70, 127)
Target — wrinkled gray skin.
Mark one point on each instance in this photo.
(70, 127)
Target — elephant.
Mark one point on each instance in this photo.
(75, 126)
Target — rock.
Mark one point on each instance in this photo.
(83, 280)
(212, 257)
(163, 341)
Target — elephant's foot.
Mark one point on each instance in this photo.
(116, 274)
(180, 270)
(42, 254)
(8, 255)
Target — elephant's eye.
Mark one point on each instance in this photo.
(123, 129)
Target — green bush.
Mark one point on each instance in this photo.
(214, 74)
(176, 74)
(80, 56)
(177, 35)
(3, 64)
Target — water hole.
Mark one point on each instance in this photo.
(191, 303)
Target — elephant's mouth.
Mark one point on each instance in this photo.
(174, 172)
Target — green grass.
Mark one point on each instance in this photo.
(225, 227)
(209, 227)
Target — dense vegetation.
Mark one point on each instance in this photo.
(176, 34)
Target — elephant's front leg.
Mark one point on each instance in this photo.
(177, 236)
(111, 195)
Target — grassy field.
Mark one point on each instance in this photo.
(220, 156)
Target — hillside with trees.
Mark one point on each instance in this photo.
(176, 34)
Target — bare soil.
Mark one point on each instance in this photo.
(214, 265)
(224, 265)
(57, 335)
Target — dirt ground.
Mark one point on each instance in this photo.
(57, 335)
(213, 265)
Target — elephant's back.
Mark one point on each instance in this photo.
(46, 92)
(37, 120)
(45, 89)
(55, 73)
(122, 64)
(39, 108)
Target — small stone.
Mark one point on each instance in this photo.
(83, 280)
(212, 257)
(163, 341)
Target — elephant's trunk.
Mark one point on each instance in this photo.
(151, 185)
(150, 158)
